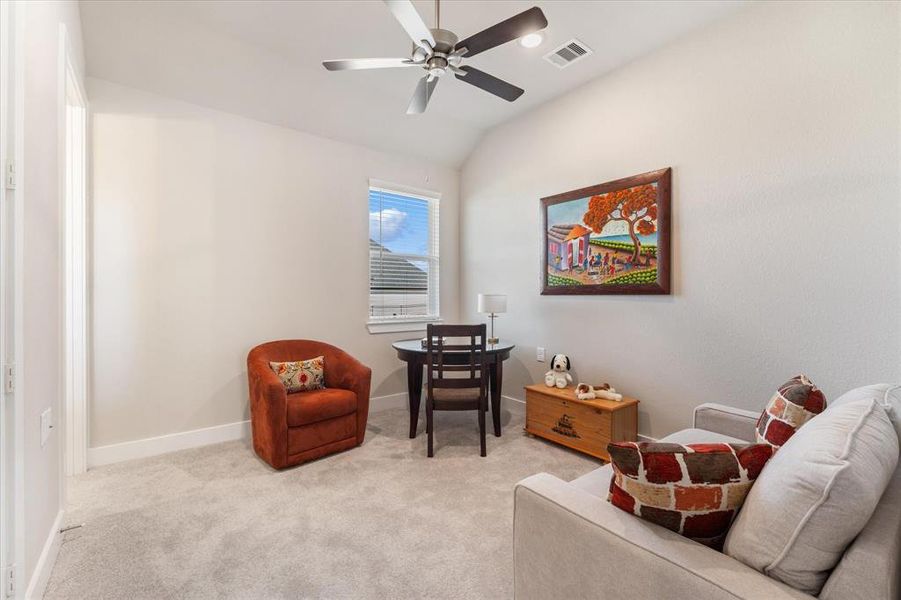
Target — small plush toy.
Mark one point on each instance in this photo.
(559, 375)
(604, 391)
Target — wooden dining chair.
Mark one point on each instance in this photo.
(468, 390)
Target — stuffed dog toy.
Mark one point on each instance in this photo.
(559, 375)
(585, 391)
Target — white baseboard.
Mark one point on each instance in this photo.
(46, 560)
(113, 453)
(154, 446)
(514, 404)
(380, 403)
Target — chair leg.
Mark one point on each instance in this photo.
(429, 427)
(482, 410)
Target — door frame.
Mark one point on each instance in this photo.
(73, 132)
(12, 408)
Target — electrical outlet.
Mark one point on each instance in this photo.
(539, 355)
(46, 425)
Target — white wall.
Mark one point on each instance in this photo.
(213, 233)
(41, 372)
(782, 127)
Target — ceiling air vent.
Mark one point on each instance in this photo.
(568, 53)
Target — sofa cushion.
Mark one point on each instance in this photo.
(301, 375)
(693, 489)
(794, 403)
(887, 395)
(816, 495)
(700, 436)
(311, 407)
(871, 566)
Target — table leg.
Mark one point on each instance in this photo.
(496, 372)
(414, 391)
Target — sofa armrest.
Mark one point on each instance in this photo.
(568, 543)
(726, 420)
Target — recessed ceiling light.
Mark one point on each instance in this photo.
(532, 40)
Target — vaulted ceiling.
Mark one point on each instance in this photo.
(262, 59)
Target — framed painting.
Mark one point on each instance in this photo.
(612, 238)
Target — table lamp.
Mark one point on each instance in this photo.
(492, 304)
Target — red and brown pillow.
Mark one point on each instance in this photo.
(694, 489)
(796, 401)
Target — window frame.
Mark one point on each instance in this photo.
(414, 322)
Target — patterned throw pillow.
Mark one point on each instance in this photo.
(794, 403)
(301, 375)
(694, 489)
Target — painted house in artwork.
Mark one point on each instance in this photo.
(567, 246)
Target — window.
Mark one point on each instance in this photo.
(403, 257)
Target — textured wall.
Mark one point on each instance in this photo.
(213, 233)
(781, 124)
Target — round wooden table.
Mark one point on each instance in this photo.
(412, 352)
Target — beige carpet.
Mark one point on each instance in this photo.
(379, 521)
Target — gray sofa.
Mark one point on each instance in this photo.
(569, 542)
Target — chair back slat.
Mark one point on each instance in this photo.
(458, 330)
(472, 356)
(456, 347)
(456, 382)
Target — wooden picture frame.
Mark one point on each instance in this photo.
(608, 250)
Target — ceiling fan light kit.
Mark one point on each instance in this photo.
(438, 51)
(532, 40)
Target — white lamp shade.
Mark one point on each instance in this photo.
(492, 303)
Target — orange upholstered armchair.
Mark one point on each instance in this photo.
(291, 428)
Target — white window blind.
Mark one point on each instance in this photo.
(403, 255)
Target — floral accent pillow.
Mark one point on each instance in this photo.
(694, 489)
(795, 402)
(301, 375)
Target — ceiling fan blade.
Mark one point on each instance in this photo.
(490, 83)
(409, 19)
(352, 64)
(420, 99)
(522, 24)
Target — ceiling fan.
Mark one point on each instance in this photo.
(438, 51)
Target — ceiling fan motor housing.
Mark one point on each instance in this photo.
(436, 66)
(436, 62)
(444, 41)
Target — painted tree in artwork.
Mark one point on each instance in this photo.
(636, 206)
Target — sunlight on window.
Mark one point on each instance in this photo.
(403, 256)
